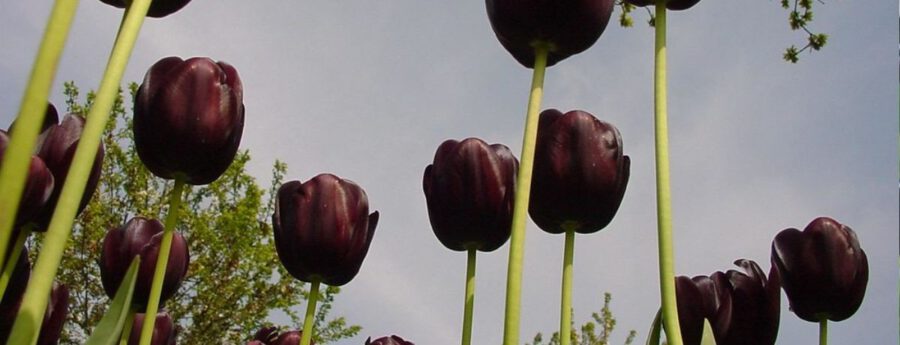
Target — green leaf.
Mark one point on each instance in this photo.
(108, 330)
(655, 329)
(708, 337)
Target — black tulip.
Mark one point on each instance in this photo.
(580, 173)
(743, 307)
(15, 289)
(264, 336)
(290, 338)
(38, 187)
(823, 270)
(164, 332)
(141, 236)
(323, 229)
(675, 5)
(568, 27)
(189, 118)
(470, 191)
(55, 316)
(158, 8)
(392, 340)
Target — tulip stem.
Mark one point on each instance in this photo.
(523, 191)
(10, 265)
(565, 310)
(470, 297)
(823, 332)
(308, 321)
(161, 262)
(33, 107)
(663, 189)
(126, 330)
(34, 303)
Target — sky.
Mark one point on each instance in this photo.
(367, 90)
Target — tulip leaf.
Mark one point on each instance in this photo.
(708, 337)
(655, 329)
(108, 330)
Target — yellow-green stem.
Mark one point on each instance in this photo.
(823, 332)
(10, 265)
(663, 189)
(33, 107)
(162, 261)
(309, 320)
(470, 298)
(28, 322)
(126, 330)
(520, 209)
(565, 310)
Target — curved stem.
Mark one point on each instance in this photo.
(663, 189)
(126, 330)
(308, 321)
(14, 169)
(34, 303)
(470, 298)
(520, 210)
(161, 262)
(10, 265)
(823, 332)
(565, 312)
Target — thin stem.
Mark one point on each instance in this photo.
(470, 298)
(663, 189)
(565, 310)
(10, 266)
(520, 210)
(161, 262)
(129, 323)
(34, 303)
(823, 332)
(306, 336)
(14, 170)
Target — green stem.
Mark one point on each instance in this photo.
(308, 321)
(470, 298)
(161, 262)
(663, 189)
(126, 330)
(10, 265)
(523, 189)
(823, 332)
(14, 170)
(565, 310)
(34, 303)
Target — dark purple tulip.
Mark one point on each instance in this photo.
(392, 340)
(469, 190)
(290, 338)
(164, 332)
(158, 8)
(569, 27)
(264, 336)
(323, 228)
(9, 305)
(823, 270)
(580, 173)
(38, 187)
(743, 307)
(141, 236)
(674, 5)
(188, 119)
(55, 316)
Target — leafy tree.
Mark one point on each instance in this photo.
(602, 322)
(235, 280)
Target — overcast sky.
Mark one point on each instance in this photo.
(367, 90)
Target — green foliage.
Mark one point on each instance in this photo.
(235, 281)
(799, 17)
(593, 332)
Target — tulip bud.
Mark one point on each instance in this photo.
(164, 332)
(392, 340)
(189, 118)
(580, 173)
(742, 307)
(290, 338)
(141, 236)
(264, 336)
(568, 27)
(674, 5)
(823, 270)
(323, 229)
(470, 191)
(158, 8)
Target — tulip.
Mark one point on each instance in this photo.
(290, 338)
(9, 302)
(674, 5)
(392, 340)
(164, 332)
(53, 318)
(188, 119)
(823, 270)
(141, 236)
(742, 307)
(264, 336)
(580, 173)
(565, 27)
(39, 185)
(469, 190)
(158, 8)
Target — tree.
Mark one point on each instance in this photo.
(588, 334)
(235, 280)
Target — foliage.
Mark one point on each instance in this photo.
(589, 330)
(235, 281)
